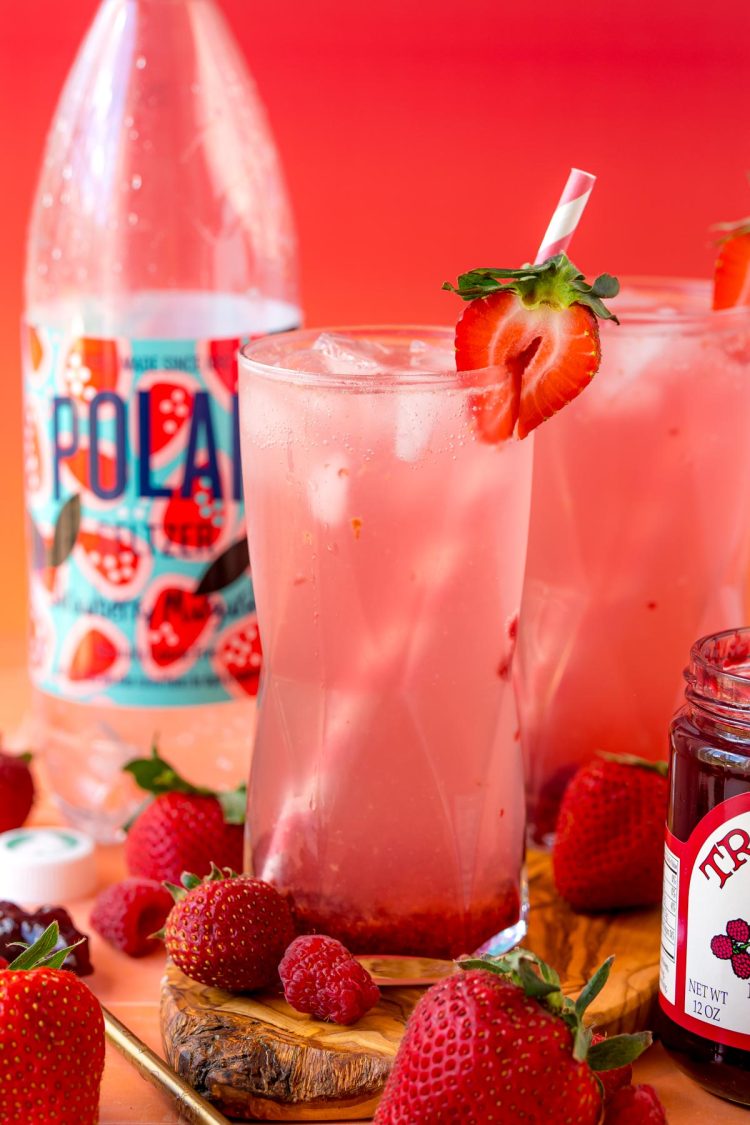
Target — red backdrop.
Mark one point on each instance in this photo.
(421, 137)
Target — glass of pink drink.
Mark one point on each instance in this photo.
(388, 546)
(640, 534)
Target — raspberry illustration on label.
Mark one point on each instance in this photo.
(733, 945)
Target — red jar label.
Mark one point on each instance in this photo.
(705, 952)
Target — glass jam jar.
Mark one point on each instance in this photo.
(704, 994)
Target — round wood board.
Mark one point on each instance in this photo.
(257, 1059)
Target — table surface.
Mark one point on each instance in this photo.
(131, 988)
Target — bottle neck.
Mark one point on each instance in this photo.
(717, 694)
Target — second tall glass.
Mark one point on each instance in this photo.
(388, 544)
(640, 534)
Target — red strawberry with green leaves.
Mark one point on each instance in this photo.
(530, 336)
(16, 790)
(53, 1074)
(732, 268)
(502, 1039)
(239, 655)
(183, 827)
(606, 862)
(228, 930)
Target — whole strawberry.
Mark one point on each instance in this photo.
(128, 914)
(228, 930)
(322, 978)
(183, 828)
(16, 790)
(500, 1043)
(635, 1105)
(51, 1041)
(609, 847)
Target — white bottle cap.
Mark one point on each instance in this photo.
(46, 865)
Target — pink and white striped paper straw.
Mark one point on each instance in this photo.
(563, 223)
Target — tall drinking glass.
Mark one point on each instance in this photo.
(387, 545)
(640, 534)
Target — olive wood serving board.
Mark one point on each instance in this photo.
(256, 1059)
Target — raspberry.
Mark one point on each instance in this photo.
(612, 1080)
(3, 963)
(721, 947)
(739, 930)
(635, 1105)
(741, 965)
(127, 913)
(321, 977)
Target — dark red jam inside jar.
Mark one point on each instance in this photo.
(704, 996)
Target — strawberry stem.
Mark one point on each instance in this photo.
(556, 282)
(662, 768)
(540, 982)
(156, 776)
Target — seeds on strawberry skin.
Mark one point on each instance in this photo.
(127, 914)
(323, 979)
(51, 1041)
(184, 828)
(601, 862)
(229, 931)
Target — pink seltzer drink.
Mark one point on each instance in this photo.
(387, 545)
(640, 536)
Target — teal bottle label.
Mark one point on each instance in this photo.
(141, 593)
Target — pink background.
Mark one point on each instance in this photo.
(421, 138)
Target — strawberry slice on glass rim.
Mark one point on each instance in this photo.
(732, 268)
(531, 338)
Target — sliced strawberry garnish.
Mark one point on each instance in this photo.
(531, 337)
(732, 269)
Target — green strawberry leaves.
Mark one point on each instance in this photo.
(43, 954)
(556, 282)
(540, 982)
(618, 1051)
(156, 776)
(662, 768)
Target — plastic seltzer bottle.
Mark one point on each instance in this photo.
(160, 238)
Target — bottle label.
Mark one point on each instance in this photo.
(705, 952)
(140, 586)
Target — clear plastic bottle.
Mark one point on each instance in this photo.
(160, 238)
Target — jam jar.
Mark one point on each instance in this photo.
(704, 987)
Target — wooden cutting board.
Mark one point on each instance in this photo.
(257, 1059)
